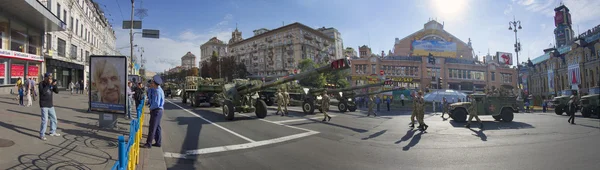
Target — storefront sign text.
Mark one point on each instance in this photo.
(20, 55)
(32, 71)
(17, 70)
(2, 67)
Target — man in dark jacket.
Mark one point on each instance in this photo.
(139, 94)
(46, 90)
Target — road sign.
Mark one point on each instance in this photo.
(136, 24)
(148, 33)
(381, 72)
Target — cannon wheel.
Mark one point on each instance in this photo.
(558, 110)
(308, 107)
(507, 115)
(459, 115)
(261, 109)
(195, 102)
(497, 118)
(342, 107)
(352, 108)
(270, 103)
(586, 112)
(228, 110)
(184, 98)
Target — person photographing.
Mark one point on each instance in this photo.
(46, 90)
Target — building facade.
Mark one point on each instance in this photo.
(211, 46)
(454, 67)
(349, 52)
(188, 61)
(22, 28)
(278, 51)
(87, 33)
(338, 44)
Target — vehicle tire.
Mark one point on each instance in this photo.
(497, 118)
(459, 115)
(352, 108)
(585, 112)
(228, 110)
(343, 107)
(308, 107)
(558, 110)
(569, 111)
(261, 109)
(196, 103)
(597, 112)
(270, 103)
(507, 115)
(184, 98)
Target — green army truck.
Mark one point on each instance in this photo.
(500, 107)
(199, 90)
(312, 99)
(561, 102)
(590, 103)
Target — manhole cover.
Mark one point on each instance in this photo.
(6, 143)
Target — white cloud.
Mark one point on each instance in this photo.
(525, 2)
(508, 10)
(583, 10)
(166, 52)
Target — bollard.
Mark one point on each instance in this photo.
(122, 153)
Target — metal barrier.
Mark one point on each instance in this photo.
(129, 151)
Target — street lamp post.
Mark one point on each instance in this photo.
(517, 45)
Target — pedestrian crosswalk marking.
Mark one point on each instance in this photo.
(296, 120)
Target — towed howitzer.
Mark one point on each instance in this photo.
(242, 95)
(313, 98)
(347, 101)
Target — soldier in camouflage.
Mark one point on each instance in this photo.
(325, 106)
(286, 101)
(371, 105)
(473, 114)
(414, 111)
(280, 102)
(420, 109)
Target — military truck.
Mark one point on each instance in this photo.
(500, 107)
(590, 103)
(242, 95)
(312, 99)
(348, 103)
(561, 102)
(202, 90)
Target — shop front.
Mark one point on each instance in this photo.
(64, 72)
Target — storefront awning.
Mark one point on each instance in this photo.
(33, 13)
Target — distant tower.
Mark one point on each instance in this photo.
(235, 36)
(563, 33)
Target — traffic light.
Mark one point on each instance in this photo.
(431, 59)
(440, 83)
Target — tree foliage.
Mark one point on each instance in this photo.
(316, 80)
(339, 78)
(193, 72)
(205, 69)
(214, 65)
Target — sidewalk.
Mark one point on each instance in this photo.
(82, 144)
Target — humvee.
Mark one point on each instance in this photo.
(500, 107)
(561, 102)
(590, 103)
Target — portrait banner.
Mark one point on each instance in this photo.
(108, 78)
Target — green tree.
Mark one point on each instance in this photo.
(339, 78)
(205, 70)
(317, 80)
(193, 72)
(214, 65)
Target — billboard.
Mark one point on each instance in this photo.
(504, 58)
(108, 83)
(436, 48)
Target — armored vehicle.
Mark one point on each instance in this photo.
(348, 103)
(312, 100)
(561, 102)
(590, 103)
(202, 90)
(500, 107)
(242, 95)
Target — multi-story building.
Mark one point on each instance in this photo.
(349, 52)
(188, 61)
(278, 51)
(87, 33)
(22, 28)
(338, 45)
(211, 46)
(410, 67)
(574, 65)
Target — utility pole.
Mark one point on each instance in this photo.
(131, 30)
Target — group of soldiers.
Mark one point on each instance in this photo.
(418, 112)
(283, 100)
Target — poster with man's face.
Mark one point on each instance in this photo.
(108, 76)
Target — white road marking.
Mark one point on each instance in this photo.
(296, 120)
(219, 126)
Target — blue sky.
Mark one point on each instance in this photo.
(186, 24)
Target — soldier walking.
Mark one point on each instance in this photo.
(444, 106)
(279, 102)
(571, 110)
(473, 114)
(325, 106)
(286, 101)
(371, 105)
(414, 111)
(421, 111)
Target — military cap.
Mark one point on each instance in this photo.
(157, 79)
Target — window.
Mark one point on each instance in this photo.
(73, 51)
(71, 24)
(48, 42)
(506, 78)
(81, 30)
(493, 76)
(76, 26)
(58, 10)
(373, 69)
(34, 40)
(87, 55)
(18, 37)
(65, 16)
(62, 44)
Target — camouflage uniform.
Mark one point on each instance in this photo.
(420, 109)
(473, 114)
(286, 101)
(371, 105)
(325, 106)
(414, 112)
(280, 102)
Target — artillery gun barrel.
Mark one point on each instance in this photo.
(332, 91)
(341, 63)
(377, 92)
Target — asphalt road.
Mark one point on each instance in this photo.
(200, 138)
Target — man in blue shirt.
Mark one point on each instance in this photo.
(156, 101)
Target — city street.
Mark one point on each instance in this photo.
(199, 138)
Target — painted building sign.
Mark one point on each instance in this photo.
(436, 48)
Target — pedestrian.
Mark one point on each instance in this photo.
(139, 94)
(378, 101)
(286, 101)
(325, 105)
(388, 101)
(21, 93)
(371, 105)
(130, 101)
(544, 106)
(279, 102)
(402, 99)
(31, 83)
(473, 113)
(156, 101)
(71, 87)
(18, 86)
(414, 111)
(444, 106)
(28, 93)
(47, 88)
(421, 111)
(81, 86)
(571, 111)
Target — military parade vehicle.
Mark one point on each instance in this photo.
(500, 107)
(268, 94)
(561, 102)
(590, 103)
(202, 90)
(312, 100)
(348, 103)
(242, 95)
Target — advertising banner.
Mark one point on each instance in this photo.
(436, 48)
(17, 70)
(2, 68)
(108, 83)
(550, 80)
(505, 58)
(574, 74)
(32, 71)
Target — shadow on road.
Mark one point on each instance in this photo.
(494, 125)
(415, 139)
(480, 134)
(20, 129)
(329, 123)
(374, 135)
